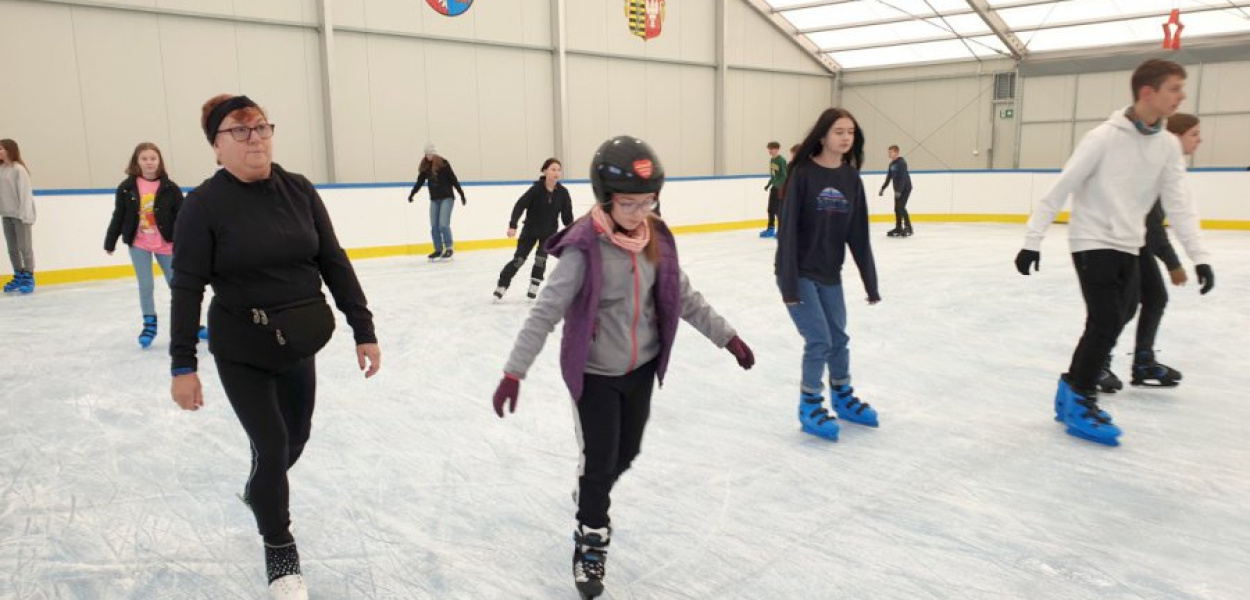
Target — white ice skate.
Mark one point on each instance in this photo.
(288, 587)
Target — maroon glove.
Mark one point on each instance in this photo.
(741, 351)
(509, 388)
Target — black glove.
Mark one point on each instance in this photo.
(882, 192)
(766, 186)
(463, 201)
(1026, 258)
(1206, 277)
(410, 198)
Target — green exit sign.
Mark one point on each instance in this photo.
(1007, 113)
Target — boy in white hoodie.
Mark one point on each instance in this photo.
(1114, 176)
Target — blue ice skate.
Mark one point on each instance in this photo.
(14, 284)
(851, 408)
(1082, 416)
(149, 331)
(202, 333)
(815, 419)
(27, 285)
(768, 233)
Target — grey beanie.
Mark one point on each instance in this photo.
(429, 148)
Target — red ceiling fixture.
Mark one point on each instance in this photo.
(1172, 40)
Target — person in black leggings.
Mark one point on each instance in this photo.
(262, 238)
(545, 205)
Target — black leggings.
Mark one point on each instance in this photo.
(774, 205)
(611, 417)
(1153, 299)
(275, 409)
(901, 218)
(1109, 283)
(524, 244)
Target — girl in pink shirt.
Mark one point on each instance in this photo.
(144, 211)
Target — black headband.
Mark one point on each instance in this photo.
(221, 111)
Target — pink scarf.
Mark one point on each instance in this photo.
(632, 242)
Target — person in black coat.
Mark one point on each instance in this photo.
(438, 172)
(545, 204)
(144, 211)
(262, 237)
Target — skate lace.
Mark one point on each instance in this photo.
(589, 565)
(1092, 411)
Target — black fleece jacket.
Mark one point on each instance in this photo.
(125, 220)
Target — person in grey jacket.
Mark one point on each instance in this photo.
(621, 292)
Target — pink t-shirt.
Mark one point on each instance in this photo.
(147, 236)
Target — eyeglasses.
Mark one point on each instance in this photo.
(633, 207)
(241, 134)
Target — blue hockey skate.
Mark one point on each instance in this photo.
(850, 408)
(15, 284)
(1082, 416)
(815, 419)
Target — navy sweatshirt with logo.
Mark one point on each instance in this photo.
(825, 212)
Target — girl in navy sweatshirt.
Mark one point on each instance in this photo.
(545, 205)
(824, 213)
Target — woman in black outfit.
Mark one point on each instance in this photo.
(262, 238)
(546, 203)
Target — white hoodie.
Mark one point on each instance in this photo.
(1114, 177)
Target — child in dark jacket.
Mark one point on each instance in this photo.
(144, 212)
(545, 204)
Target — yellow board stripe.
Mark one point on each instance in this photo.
(118, 272)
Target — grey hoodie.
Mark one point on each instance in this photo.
(612, 349)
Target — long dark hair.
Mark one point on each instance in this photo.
(431, 166)
(812, 145)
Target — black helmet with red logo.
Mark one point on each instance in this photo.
(625, 165)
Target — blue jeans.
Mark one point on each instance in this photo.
(821, 319)
(440, 222)
(142, 260)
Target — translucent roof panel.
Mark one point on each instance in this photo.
(1131, 31)
(1084, 11)
(874, 33)
(946, 50)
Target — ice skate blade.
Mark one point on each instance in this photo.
(1155, 383)
(831, 436)
(1106, 441)
(590, 589)
(872, 423)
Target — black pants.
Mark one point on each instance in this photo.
(1109, 283)
(524, 244)
(774, 205)
(611, 417)
(275, 409)
(901, 218)
(1153, 299)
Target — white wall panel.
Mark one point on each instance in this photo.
(1225, 87)
(397, 90)
(1098, 94)
(454, 102)
(1048, 98)
(280, 82)
(42, 99)
(353, 110)
(1045, 145)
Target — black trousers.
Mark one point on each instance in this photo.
(524, 244)
(275, 409)
(901, 218)
(611, 417)
(1109, 283)
(774, 205)
(1153, 298)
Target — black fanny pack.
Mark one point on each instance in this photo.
(271, 337)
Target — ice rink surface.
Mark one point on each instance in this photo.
(412, 488)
